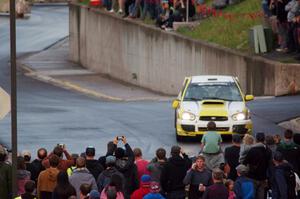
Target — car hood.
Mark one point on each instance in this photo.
(213, 107)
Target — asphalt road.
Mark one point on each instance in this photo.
(48, 115)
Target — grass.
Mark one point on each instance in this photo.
(230, 33)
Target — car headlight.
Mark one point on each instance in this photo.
(239, 116)
(188, 116)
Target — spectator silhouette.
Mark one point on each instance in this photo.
(47, 179)
(63, 189)
(82, 175)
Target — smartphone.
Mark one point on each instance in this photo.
(61, 145)
(120, 137)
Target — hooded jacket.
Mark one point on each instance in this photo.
(127, 167)
(290, 150)
(259, 159)
(155, 168)
(81, 176)
(46, 182)
(22, 177)
(174, 172)
(94, 167)
(280, 188)
(104, 178)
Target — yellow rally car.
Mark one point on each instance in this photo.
(211, 98)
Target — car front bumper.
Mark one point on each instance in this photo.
(189, 128)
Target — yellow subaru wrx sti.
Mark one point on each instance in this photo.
(211, 98)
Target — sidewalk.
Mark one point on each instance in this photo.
(52, 66)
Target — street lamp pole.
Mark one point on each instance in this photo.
(13, 73)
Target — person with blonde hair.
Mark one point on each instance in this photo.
(248, 141)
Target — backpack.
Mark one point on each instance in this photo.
(290, 178)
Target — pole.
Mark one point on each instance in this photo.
(13, 74)
(187, 11)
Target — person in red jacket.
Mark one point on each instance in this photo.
(144, 188)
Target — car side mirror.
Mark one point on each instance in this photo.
(175, 104)
(249, 97)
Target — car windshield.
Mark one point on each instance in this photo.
(227, 91)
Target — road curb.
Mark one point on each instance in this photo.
(75, 87)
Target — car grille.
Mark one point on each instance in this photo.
(217, 129)
(188, 127)
(239, 129)
(213, 118)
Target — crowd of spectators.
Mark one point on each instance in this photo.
(164, 12)
(260, 167)
(284, 17)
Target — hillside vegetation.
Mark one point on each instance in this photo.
(231, 27)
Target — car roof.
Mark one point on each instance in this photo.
(211, 78)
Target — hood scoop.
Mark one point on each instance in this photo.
(213, 102)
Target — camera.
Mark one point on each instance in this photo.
(61, 145)
(120, 137)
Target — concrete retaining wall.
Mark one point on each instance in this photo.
(146, 56)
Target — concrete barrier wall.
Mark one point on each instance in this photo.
(146, 56)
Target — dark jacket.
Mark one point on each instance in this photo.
(244, 188)
(64, 192)
(94, 167)
(280, 188)
(105, 176)
(231, 156)
(174, 172)
(216, 191)
(290, 150)
(258, 158)
(5, 180)
(35, 168)
(155, 168)
(127, 167)
(194, 178)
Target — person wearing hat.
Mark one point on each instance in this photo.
(22, 175)
(92, 164)
(154, 192)
(243, 186)
(174, 172)
(94, 195)
(259, 159)
(144, 188)
(6, 173)
(232, 154)
(105, 177)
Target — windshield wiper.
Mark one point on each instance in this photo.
(192, 99)
(218, 98)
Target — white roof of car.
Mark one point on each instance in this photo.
(211, 78)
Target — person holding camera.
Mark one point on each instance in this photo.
(125, 165)
(198, 177)
(64, 164)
